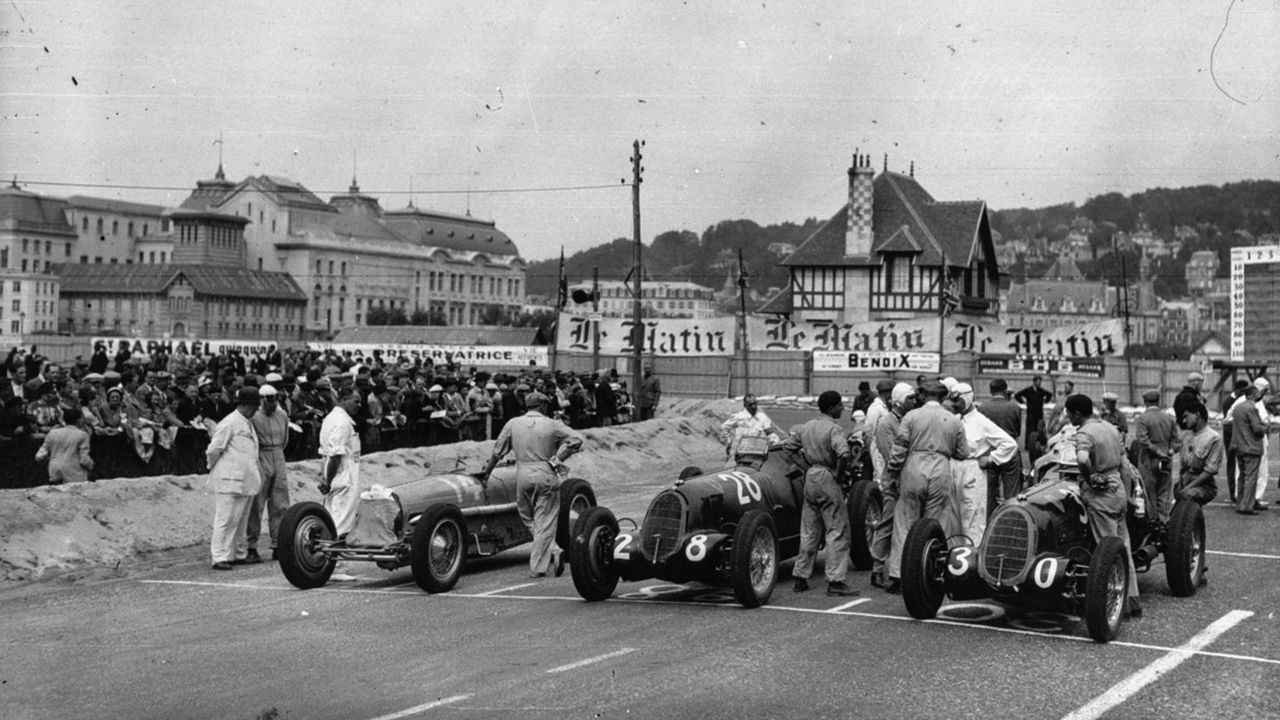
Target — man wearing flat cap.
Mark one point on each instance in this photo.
(920, 463)
(232, 456)
(1111, 413)
(1155, 439)
(1188, 394)
(540, 445)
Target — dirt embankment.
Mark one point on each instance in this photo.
(77, 529)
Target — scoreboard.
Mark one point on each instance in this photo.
(1255, 303)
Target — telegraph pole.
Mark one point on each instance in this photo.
(637, 325)
(595, 320)
(562, 297)
(742, 305)
(1128, 357)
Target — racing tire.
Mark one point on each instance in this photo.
(1106, 590)
(576, 497)
(923, 569)
(439, 549)
(301, 526)
(865, 504)
(1184, 550)
(690, 471)
(591, 555)
(753, 562)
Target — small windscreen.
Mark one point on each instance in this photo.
(753, 446)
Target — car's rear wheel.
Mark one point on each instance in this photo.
(576, 498)
(753, 565)
(924, 560)
(1185, 548)
(439, 548)
(690, 471)
(866, 502)
(1107, 590)
(303, 564)
(591, 554)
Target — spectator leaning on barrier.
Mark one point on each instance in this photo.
(232, 457)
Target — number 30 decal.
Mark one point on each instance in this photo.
(960, 564)
(697, 548)
(748, 488)
(1046, 572)
(620, 547)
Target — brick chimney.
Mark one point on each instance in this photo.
(858, 233)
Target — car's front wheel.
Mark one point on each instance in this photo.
(576, 498)
(1107, 590)
(301, 529)
(591, 554)
(753, 565)
(866, 502)
(1184, 549)
(924, 560)
(439, 548)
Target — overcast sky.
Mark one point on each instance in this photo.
(748, 110)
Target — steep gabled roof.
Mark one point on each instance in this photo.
(450, 232)
(905, 218)
(36, 213)
(207, 280)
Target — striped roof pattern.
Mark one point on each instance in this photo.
(37, 213)
(230, 282)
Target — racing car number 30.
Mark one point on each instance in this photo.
(748, 488)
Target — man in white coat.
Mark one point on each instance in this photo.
(232, 457)
(988, 445)
(340, 483)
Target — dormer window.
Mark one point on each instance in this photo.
(1038, 304)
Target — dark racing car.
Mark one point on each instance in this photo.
(433, 525)
(729, 527)
(1038, 550)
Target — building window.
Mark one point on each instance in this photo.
(68, 249)
(25, 246)
(164, 257)
(130, 228)
(24, 264)
(330, 267)
(84, 223)
(819, 288)
(115, 227)
(317, 267)
(100, 237)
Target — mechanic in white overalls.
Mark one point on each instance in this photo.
(988, 445)
(340, 482)
(540, 445)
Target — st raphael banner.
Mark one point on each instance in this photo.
(198, 347)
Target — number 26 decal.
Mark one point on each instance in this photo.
(748, 488)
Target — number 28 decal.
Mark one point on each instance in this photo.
(748, 488)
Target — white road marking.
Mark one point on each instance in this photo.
(1131, 685)
(846, 606)
(505, 589)
(419, 708)
(1245, 555)
(730, 606)
(588, 661)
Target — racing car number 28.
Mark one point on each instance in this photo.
(748, 489)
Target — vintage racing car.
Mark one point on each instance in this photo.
(728, 527)
(433, 525)
(1038, 550)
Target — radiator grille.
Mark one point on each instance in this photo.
(663, 525)
(1007, 549)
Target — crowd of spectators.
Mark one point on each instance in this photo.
(152, 414)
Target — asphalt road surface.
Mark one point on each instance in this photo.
(182, 641)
